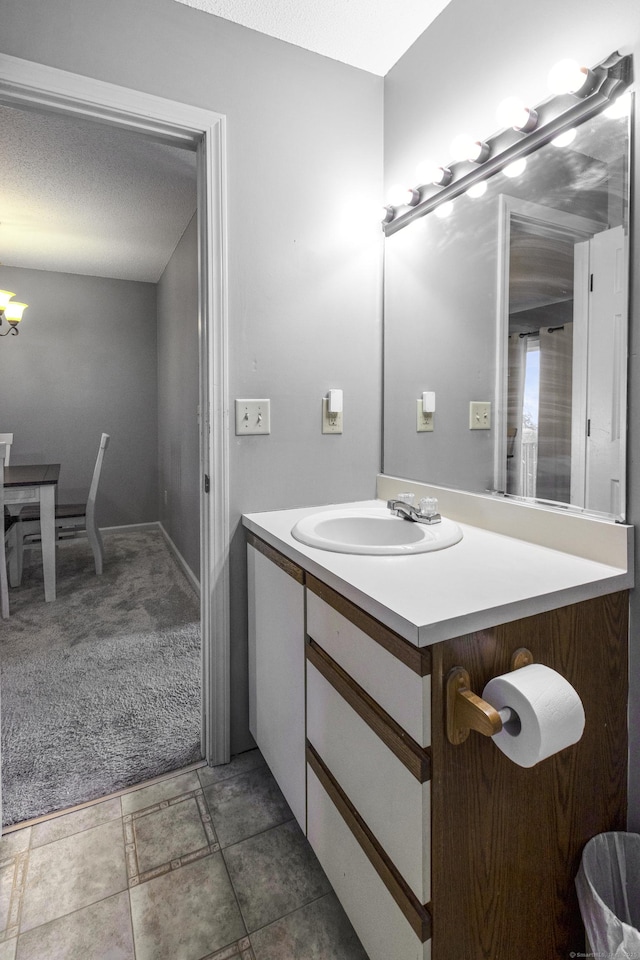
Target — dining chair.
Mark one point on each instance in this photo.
(7, 440)
(71, 519)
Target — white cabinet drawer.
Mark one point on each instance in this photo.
(400, 689)
(381, 924)
(391, 800)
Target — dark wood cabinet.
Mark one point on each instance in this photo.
(506, 841)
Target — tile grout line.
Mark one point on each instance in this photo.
(134, 875)
(239, 950)
(290, 913)
(258, 833)
(17, 893)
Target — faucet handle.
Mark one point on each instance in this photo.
(428, 507)
(406, 498)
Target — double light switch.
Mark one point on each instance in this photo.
(253, 417)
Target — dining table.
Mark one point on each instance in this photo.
(34, 483)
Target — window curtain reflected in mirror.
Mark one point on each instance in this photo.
(554, 416)
(539, 413)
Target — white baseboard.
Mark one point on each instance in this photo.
(182, 563)
(127, 527)
(157, 525)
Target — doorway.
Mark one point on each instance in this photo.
(32, 86)
(539, 379)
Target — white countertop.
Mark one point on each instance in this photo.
(486, 579)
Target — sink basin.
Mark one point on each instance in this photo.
(373, 531)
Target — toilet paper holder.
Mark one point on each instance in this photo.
(466, 711)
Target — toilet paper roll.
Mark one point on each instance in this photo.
(550, 715)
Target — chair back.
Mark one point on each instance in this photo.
(6, 439)
(93, 489)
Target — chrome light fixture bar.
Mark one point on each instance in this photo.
(604, 83)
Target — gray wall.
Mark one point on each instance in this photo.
(451, 80)
(304, 143)
(178, 436)
(84, 363)
(440, 306)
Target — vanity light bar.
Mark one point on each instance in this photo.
(610, 78)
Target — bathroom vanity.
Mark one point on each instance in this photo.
(441, 850)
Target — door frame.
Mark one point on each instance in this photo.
(513, 208)
(27, 85)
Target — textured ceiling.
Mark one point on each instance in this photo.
(78, 196)
(370, 34)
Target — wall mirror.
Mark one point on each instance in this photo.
(518, 297)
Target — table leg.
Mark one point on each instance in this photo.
(48, 537)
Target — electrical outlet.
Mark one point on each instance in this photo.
(424, 421)
(253, 417)
(479, 415)
(333, 423)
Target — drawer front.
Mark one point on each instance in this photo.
(392, 802)
(399, 690)
(383, 929)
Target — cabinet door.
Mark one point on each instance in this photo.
(507, 840)
(276, 674)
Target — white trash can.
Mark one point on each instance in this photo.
(608, 885)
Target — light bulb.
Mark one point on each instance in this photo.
(564, 139)
(567, 76)
(477, 190)
(401, 196)
(619, 108)
(14, 310)
(513, 113)
(464, 147)
(432, 173)
(444, 209)
(516, 168)
(5, 296)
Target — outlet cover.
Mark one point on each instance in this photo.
(424, 421)
(253, 417)
(330, 424)
(479, 415)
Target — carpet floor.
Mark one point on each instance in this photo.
(100, 689)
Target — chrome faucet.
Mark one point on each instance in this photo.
(425, 512)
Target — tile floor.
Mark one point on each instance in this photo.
(207, 865)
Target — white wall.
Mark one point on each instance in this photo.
(304, 190)
(450, 81)
(84, 363)
(178, 397)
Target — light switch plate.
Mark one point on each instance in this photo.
(479, 415)
(424, 421)
(253, 417)
(330, 424)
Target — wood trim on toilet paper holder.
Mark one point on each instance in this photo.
(466, 711)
